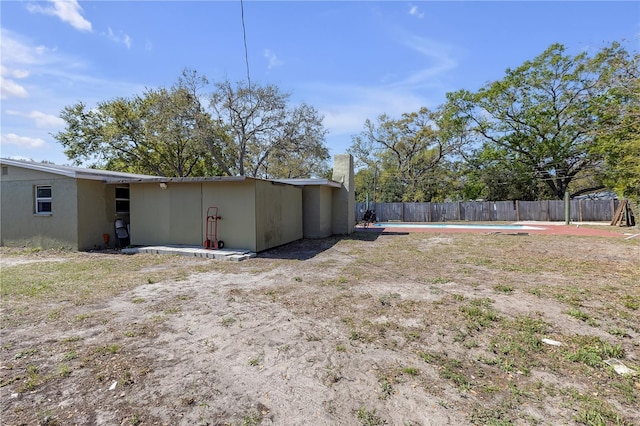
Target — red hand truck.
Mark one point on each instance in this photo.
(211, 242)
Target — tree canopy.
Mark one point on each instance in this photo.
(548, 115)
(557, 124)
(177, 131)
(161, 132)
(269, 138)
(405, 153)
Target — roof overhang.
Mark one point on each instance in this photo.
(74, 172)
(310, 182)
(111, 177)
(157, 179)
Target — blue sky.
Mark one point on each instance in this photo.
(350, 60)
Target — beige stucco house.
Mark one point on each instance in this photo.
(46, 205)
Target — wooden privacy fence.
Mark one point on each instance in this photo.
(487, 211)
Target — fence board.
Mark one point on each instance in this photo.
(598, 210)
(389, 211)
(444, 212)
(416, 212)
(474, 211)
(533, 210)
(505, 211)
(583, 210)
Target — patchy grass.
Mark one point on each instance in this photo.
(456, 320)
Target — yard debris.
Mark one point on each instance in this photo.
(113, 385)
(623, 215)
(619, 367)
(551, 342)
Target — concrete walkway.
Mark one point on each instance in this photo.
(221, 254)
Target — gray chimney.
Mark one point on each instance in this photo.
(344, 199)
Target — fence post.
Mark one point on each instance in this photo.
(580, 210)
(548, 211)
(517, 211)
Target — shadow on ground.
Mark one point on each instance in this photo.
(308, 248)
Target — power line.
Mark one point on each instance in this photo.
(246, 51)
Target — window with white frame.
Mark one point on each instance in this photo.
(43, 199)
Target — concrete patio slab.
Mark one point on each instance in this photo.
(235, 255)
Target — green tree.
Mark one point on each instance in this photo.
(169, 132)
(269, 138)
(546, 116)
(491, 174)
(406, 152)
(163, 132)
(619, 141)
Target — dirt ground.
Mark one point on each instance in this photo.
(394, 328)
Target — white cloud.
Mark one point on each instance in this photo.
(16, 73)
(41, 119)
(121, 37)
(11, 89)
(342, 118)
(68, 11)
(21, 141)
(440, 56)
(39, 63)
(398, 94)
(16, 52)
(414, 11)
(272, 58)
(19, 59)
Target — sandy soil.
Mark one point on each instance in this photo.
(270, 341)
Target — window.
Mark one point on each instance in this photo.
(43, 199)
(122, 200)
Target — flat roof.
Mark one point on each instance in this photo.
(160, 179)
(109, 176)
(74, 172)
(310, 182)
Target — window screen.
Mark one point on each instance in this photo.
(43, 199)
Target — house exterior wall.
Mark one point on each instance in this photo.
(236, 203)
(21, 226)
(177, 214)
(165, 216)
(96, 214)
(317, 210)
(278, 214)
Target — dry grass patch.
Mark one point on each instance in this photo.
(369, 329)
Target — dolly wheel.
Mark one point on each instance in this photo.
(220, 244)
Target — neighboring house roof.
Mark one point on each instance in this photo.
(600, 195)
(119, 177)
(75, 172)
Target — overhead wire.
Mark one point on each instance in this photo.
(246, 50)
